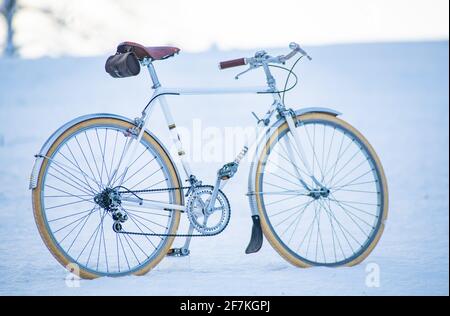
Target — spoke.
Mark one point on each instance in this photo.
(350, 184)
(90, 238)
(145, 150)
(339, 156)
(131, 248)
(71, 195)
(348, 173)
(329, 151)
(299, 217)
(284, 179)
(287, 192)
(354, 216)
(80, 182)
(124, 252)
(341, 227)
(355, 179)
(137, 245)
(302, 210)
(65, 204)
(102, 151)
(84, 174)
(104, 248)
(127, 179)
(347, 162)
(356, 209)
(282, 200)
(151, 230)
(354, 202)
(95, 238)
(73, 183)
(67, 216)
(300, 156)
(323, 148)
(277, 186)
(153, 185)
(140, 229)
(334, 233)
(297, 220)
(308, 231)
(75, 187)
(314, 150)
(117, 252)
(147, 177)
(319, 236)
(93, 158)
(290, 161)
(356, 191)
(86, 160)
(150, 221)
(112, 159)
(124, 150)
(78, 234)
(278, 166)
(289, 209)
(71, 223)
(67, 196)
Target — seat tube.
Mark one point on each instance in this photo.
(176, 139)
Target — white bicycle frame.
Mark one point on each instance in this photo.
(160, 96)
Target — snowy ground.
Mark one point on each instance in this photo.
(396, 94)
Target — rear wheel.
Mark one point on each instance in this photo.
(70, 202)
(339, 219)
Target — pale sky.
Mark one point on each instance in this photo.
(96, 26)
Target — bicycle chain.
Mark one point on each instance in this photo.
(170, 235)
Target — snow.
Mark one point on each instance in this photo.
(396, 94)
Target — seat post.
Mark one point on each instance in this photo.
(153, 75)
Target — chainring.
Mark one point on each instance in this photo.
(208, 222)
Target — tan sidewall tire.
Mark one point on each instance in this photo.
(36, 198)
(270, 234)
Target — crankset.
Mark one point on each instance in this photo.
(207, 213)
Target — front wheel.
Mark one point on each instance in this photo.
(322, 198)
(72, 201)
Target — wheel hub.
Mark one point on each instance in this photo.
(318, 193)
(107, 199)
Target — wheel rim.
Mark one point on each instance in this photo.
(352, 209)
(85, 235)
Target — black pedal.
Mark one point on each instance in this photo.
(256, 240)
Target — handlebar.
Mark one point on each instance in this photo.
(262, 57)
(232, 63)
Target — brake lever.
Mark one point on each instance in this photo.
(295, 49)
(245, 71)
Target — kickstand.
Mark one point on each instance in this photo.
(184, 250)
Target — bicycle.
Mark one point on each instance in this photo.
(107, 196)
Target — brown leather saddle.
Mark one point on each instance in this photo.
(153, 52)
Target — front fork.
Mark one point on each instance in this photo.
(295, 135)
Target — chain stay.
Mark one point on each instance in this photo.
(169, 235)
